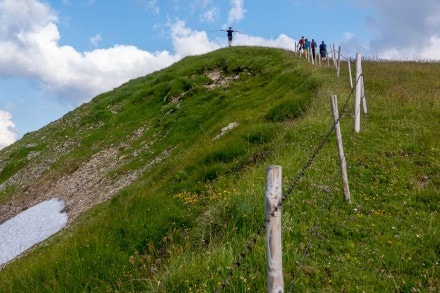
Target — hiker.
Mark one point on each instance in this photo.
(306, 48)
(300, 45)
(313, 45)
(229, 32)
(323, 50)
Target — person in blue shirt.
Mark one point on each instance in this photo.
(306, 48)
(323, 50)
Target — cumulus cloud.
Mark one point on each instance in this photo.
(430, 51)
(409, 31)
(190, 42)
(282, 41)
(29, 42)
(8, 133)
(237, 11)
(21, 15)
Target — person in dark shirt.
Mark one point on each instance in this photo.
(313, 45)
(323, 50)
(229, 33)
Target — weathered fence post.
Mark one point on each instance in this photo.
(338, 67)
(334, 55)
(273, 198)
(349, 72)
(364, 100)
(343, 164)
(357, 100)
(309, 51)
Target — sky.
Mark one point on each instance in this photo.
(58, 54)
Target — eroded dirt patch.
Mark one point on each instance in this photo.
(81, 189)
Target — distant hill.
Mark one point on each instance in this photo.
(163, 180)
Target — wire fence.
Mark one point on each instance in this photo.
(292, 185)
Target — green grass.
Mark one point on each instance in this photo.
(182, 225)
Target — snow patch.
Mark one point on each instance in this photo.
(31, 227)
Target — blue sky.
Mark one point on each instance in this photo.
(56, 55)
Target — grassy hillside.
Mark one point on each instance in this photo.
(188, 197)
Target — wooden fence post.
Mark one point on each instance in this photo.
(349, 72)
(357, 100)
(308, 54)
(273, 198)
(343, 164)
(364, 101)
(334, 55)
(338, 67)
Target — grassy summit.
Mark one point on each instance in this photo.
(161, 199)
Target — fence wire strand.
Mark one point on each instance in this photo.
(251, 243)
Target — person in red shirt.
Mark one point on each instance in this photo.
(301, 43)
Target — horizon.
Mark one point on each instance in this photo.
(60, 54)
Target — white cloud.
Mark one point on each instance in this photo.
(151, 5)
(237, 11)
(282, 41)
(23, 15)
(210, 15)
(430, 51)
(189, 42)
(29, 42)
(33, 51)
(95, 40)
(404, 31)
(8, 133)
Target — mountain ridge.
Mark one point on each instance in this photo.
(153, 185)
